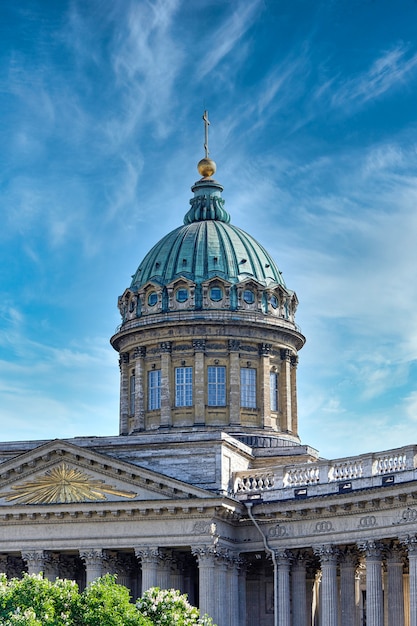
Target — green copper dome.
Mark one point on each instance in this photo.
(206, 246)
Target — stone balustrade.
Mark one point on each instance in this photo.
(323, 476)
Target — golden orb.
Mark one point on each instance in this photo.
(206, 167)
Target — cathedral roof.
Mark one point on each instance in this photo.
(207, 245)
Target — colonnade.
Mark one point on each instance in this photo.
(371, 582)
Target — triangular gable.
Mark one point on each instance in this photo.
(60, 472)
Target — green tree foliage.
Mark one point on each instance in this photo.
(105, 603)
(167, 607)
(36, 601)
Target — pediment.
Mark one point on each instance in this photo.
(60, 472)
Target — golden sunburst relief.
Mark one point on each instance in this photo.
(63, 484)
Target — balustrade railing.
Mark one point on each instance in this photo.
(324, 471)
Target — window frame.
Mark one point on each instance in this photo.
(154, 390)
(273, 391)
(216, 385)
(248, 395)
(184, 386)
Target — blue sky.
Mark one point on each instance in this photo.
(314, 131)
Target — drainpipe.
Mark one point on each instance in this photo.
(249, 506)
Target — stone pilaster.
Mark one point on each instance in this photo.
(139, 417)
(35, 561)
(124, 393)
(166, 417)
(294, 408)
(285, 390)
(234, 381)
(348, 563)
(93, 560)
(149, 559)
(265, 399)
(374, 595)
(395, 596)
(329, 609)
(299, 590)
(283, 575)
(199, 346)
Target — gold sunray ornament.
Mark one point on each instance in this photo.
(63, 484)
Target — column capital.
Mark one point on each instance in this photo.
(123, 358)
(166, 346)
(410, 542)
(233, 345)
(148, 555)
(205, 554)
(327, 553)
(92, 556)
(371, 548)
(34, 558)
(199, 345)
(283, 557)
(349, 556)
(139, 352)
(265, 349)
(285, 354)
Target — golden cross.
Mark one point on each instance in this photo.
(206, 125)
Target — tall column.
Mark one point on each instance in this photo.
(221, 615)
(241, 613)
(124, 393)
(3, 563)
(206, 562)
(265, 384)
(328, 555)
(284, 608)
(285, 390)
(234, 381)
(348, 564)
(35, 561)
(52, 563)
(93, 559)
(294, 408)
(233, 586)
(164, 570)
(139, 418)
(177, 575)
(395, 587)
(149, 559)
(374, 595)
(119, 564)
(411, 544)
(199, 346)
(166, 418)
(299, 590)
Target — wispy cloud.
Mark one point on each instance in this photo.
(387, 71)
(228, 36)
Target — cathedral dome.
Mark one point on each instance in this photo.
(207, 245)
